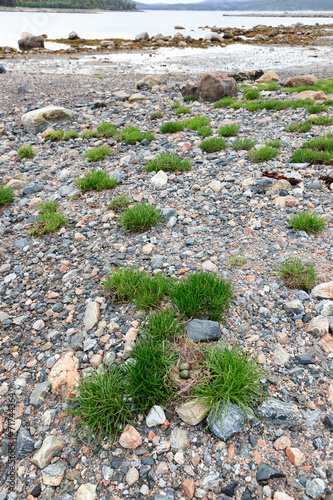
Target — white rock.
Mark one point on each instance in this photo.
(91, 315)
(209, 266)
(156, 416)
(159, 180)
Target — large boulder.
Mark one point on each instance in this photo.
(39, 119)
(270, 76)
(31, 42)
(142, 37)
(189, 88)
(73, 36)
(247, 75)
(213, 37)
(214, 86)
(302, 80)
(2, 69)
(148, 82)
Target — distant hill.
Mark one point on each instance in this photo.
(250, 5)
(71, 4)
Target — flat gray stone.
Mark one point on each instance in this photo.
(315, 487)
(200, 330)
(231, 419)
(266, 472)
(39, 392)
(279, 413)
(166, 494)
(20, 244)
(39, 119)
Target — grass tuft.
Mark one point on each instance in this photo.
(224, 102)
(301, 127)
(316, 108)
(172, 127)
(98, 153)
(106, 130)
(50, 219)
(308, 222)
(101, 405)
(236, 261)
(229, 130)
(132, 135)
(276, 143)
(296, 274)
(183, 110)
(251, 94)
(89, 134)
(311, 156)
(96, 180)
(168, 162)
(119, 203)
(265, 153)
(6, 195)
(156, 115)
(140, 218)
(57, 135)
(70, 134)
(164, 325)
(213, 144)
(322, 120)
(175, 105)
(188, 98)
(246, 144)
(202, 293)
(196, 122)
(232, 378)
(204, 131)
(26, 152)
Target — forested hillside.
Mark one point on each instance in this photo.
(71, 4)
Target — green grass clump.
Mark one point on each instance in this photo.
(302, 103)
(6, 195)
(100, 404)
(96, 180)
(322, 120)
(204, 131)
(263, 154)
(296, 274)
(133, 285)
(168, 162)
(188, 98)
(232, 378)
(175, 105)
(201, 294)
(156, 115)
(50, 219)
(224, 102)
(70, 134)
(324, 85)
(140, 218)
(26, 152)
(213, 144)
(308, 222)
(301, 127)
(196, 122)
(148, 376)
(311, 156)
(132, 135)
(236, 261)
(316, 108)
(274, 104)
(251, 94)
(164, 325)
(319, 144)
(120, 203)
(98, 153)
(276, 143)
(172, 127)
(229, 130)
(89, 134)
(183, 110)
(57, 135)
(106, 130)
(246, 144)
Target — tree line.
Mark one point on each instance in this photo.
(71, 4)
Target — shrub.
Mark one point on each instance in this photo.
(183, 110)
(246, 144)
(168, 162)
(202, 293)
(213, 144)
(172, 127)
(49, 219)
(57, 135)
(119, 203)
(229, 130)
(163, 325)
(196, 122)
(263, 154)
(190, 98)
(308, 222)
(204, 131)
(251, 94)
(232, 378)
(296, 274)
(106, 130)
(140, 217)
(96, 180)
(98, 153)
(148, 376)
(100, 404)
(26, 152)
(156, 115)
(132, 135)
(70, 134)
(6, 195)
(301, 127)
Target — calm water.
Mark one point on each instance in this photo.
(127, 24)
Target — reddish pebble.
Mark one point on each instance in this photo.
(282, 443)
(151, 435)
(79, 291)
(188, 488)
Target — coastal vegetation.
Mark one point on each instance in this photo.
(71, 4)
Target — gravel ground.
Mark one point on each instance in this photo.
(46, 285)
